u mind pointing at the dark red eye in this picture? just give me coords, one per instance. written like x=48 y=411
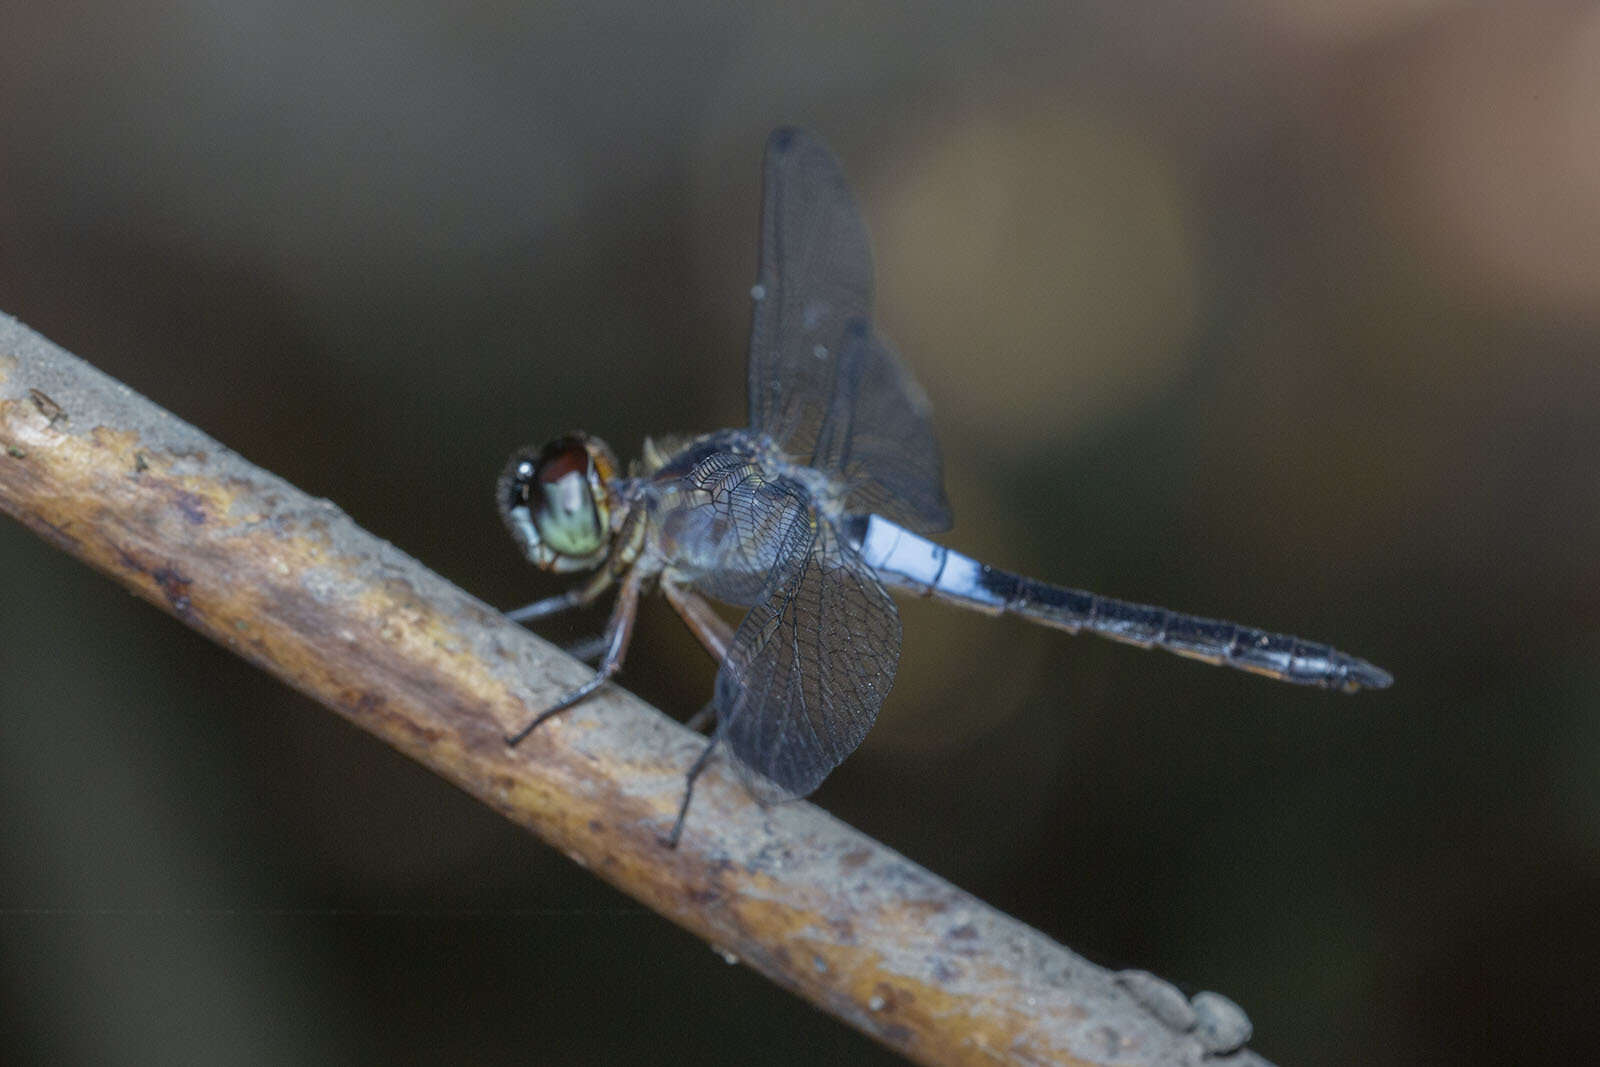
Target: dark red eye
x=562 y=457
x=554 y=501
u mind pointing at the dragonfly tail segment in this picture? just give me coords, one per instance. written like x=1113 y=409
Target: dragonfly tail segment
x=914 y=563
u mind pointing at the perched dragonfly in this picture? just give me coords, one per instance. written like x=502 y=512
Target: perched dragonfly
x=805 y=517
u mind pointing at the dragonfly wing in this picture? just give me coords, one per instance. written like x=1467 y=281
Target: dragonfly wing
x=808 y=668
x=823 y=387
x=742 y=527
x=878 y=436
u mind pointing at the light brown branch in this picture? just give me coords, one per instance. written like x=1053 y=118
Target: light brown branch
x=290 y=583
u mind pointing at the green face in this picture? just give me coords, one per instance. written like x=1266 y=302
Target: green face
x=567 y=519
x=551 y=502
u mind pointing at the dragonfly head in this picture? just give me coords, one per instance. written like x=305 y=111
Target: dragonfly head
x=555 y=502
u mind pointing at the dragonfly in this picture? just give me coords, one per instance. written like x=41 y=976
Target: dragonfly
x=806 y=518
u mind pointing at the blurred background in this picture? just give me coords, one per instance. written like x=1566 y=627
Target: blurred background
x=1285 y=311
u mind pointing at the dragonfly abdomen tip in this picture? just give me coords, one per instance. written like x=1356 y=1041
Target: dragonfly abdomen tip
x=1362 y=675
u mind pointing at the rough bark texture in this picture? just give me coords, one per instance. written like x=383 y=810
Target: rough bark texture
x=290 y=583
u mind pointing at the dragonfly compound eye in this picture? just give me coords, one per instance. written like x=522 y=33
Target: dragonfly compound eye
x=555 y=502
x=563 y=497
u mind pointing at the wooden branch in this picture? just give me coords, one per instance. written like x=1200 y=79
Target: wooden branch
x=290 y=583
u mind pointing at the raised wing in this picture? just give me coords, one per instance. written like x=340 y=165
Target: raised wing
x=809 y=666
x=878 y=437
x=823 y=387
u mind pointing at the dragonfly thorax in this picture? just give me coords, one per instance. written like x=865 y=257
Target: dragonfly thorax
x=556 y=502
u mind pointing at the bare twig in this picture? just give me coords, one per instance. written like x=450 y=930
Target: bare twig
x=290 y=583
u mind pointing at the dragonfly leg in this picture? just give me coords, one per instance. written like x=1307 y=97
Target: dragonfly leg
x=671 y=840
x=589 y=649
x=576 y=597
x=710 y=628
x=618 y=633
x=701 y=618
x=702 y=718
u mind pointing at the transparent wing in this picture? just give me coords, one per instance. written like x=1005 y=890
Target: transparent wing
x=732 y=526
x=823 y=386
x=878 y=436
x=809 y=666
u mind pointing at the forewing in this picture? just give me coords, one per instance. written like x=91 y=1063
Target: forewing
x=819 y=378
x=809 y=667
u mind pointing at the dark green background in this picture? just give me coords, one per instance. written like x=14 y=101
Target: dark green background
x=1280 y=311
